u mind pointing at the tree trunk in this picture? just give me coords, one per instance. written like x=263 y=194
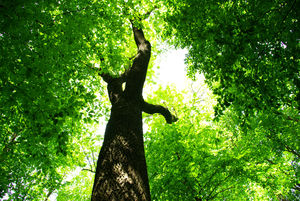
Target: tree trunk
x=121 y=172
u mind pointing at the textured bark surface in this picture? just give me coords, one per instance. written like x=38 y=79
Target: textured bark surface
x=121 y=169
x=121 y=172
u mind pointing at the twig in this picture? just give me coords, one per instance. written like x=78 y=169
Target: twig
x=88 y=170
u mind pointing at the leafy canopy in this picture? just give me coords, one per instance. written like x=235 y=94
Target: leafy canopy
x=51 y=96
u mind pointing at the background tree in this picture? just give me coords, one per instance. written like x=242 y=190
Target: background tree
x=248 y=52
x=201 y=159
x=48 y=93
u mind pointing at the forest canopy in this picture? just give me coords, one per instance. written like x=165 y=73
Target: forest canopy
x=237 y=134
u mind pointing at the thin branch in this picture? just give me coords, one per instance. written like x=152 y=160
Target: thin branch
x=296 y=187
x=208 y=181
x=216 y=186
x=12 y=141
x=152 y=109
x=85 y=169
x=221 y=191
x=88 y=158
x=130 y=58
x=287 y=117
x=289 y=149
x=275 y=138
x=94 y=161
x=49 y=194
x=292 y=119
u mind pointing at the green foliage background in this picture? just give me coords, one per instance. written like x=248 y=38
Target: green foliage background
x=199 y=158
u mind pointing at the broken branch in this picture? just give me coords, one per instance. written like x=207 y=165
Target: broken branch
x=152 y=109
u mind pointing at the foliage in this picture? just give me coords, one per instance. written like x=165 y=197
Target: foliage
x=248 y=53
x=200 y=159
x=50 y=91
x=247 y=50
x=51 y=96
x=47 y=94
x=79 y=186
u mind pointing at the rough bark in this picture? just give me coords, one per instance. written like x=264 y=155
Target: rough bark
x=121 y=172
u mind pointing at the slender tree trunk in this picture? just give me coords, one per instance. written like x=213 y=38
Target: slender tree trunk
x=121 y=172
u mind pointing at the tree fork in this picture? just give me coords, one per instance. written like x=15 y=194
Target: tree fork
x=121 y=172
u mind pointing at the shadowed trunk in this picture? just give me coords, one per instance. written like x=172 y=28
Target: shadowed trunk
x=121 y=172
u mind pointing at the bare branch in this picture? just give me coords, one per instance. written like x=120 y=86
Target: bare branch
x=152 y=109
x=88 y=170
